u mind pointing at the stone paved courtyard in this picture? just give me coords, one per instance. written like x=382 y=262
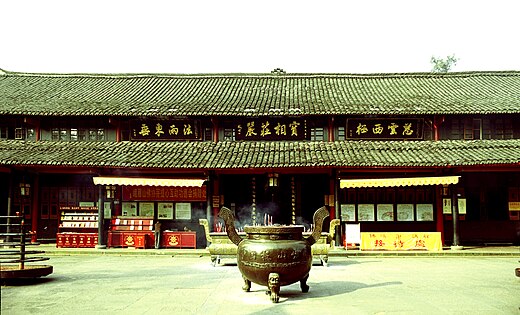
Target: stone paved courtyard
x=101 y=284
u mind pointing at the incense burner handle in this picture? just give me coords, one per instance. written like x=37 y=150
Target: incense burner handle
x=227 y=215
x=319 y=216
x=205 y=224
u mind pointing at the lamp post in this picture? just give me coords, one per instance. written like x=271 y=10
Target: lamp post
x=109 y=192
x=27 y=201
x=455 y=211
x=450 y=191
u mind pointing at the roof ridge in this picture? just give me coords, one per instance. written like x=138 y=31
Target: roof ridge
x=264 y=75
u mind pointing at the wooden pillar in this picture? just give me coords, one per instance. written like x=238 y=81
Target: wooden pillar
x=337 y=206
x=437 y=121
x=118 y=132
x=10 y=205
x=209 y=197
x=38 y=131
x=253 y=201
x=215 y=129
x=333 y=193
x=455 y=215
x=293 y=201
x=35 y=207
x=101 y=218
x=440 y=216
x=331 y=129
x=215 y=202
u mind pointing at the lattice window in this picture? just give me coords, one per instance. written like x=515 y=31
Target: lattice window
x=229 y=134
x=317 y=134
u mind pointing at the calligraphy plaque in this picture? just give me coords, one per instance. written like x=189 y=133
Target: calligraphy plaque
x=159 y=193
x=167 y=129
x=271 y=128
x=385 y=128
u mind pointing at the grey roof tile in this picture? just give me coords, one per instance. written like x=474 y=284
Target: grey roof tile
x=243 y=155
x=259 y=94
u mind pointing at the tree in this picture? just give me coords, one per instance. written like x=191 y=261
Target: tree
x=441 y=65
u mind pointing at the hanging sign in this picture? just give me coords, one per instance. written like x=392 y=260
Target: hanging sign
x=175 y=129
x=401 y=241
x=164 y=193
x=271 y=128
x=385 y=128
x=514 y=205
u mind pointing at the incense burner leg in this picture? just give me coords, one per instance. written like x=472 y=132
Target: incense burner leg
x=213 y=260
x=247 y=284
x=274 y=286
x=303 y=284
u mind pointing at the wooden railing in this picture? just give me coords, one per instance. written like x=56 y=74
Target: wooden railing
x=13 y=242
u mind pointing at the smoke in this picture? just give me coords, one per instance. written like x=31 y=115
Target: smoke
x=198 y=212
x=244 y=214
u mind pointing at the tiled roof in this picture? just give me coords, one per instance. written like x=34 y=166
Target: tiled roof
x=259 y=94
x=276 y=154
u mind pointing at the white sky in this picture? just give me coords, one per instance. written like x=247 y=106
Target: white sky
x=202 y=36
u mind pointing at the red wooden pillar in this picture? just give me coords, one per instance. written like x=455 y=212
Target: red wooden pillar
x=332 y=196
x=440 y=215
x=215 y=129
x=331 y=129
x=215 y=201
x=118 y=132
x=35 y=207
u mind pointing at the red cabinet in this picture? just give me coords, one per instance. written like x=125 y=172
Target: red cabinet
x=130 y=239
x=131 y=232
x=178 y=239
x=77 y=227
x=74 y=239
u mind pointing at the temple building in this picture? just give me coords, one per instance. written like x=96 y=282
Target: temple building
x=404 y=152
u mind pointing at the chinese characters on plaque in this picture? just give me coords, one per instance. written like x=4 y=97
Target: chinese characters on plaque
x=170 y=193
x=446 y=205
x=271 y=129
x=401 y=241
x=385 y=128
x=187 y=129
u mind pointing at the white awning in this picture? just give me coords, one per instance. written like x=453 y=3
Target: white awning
x=395 y=182
x=138 y=181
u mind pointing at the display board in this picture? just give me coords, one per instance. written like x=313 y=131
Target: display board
x=401 y=241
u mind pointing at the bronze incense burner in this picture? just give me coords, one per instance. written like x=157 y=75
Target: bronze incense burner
x=275 y=255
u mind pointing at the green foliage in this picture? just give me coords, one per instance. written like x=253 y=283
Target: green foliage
x=443 y=65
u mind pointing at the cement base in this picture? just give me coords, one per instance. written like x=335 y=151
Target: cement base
x=458 y=247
